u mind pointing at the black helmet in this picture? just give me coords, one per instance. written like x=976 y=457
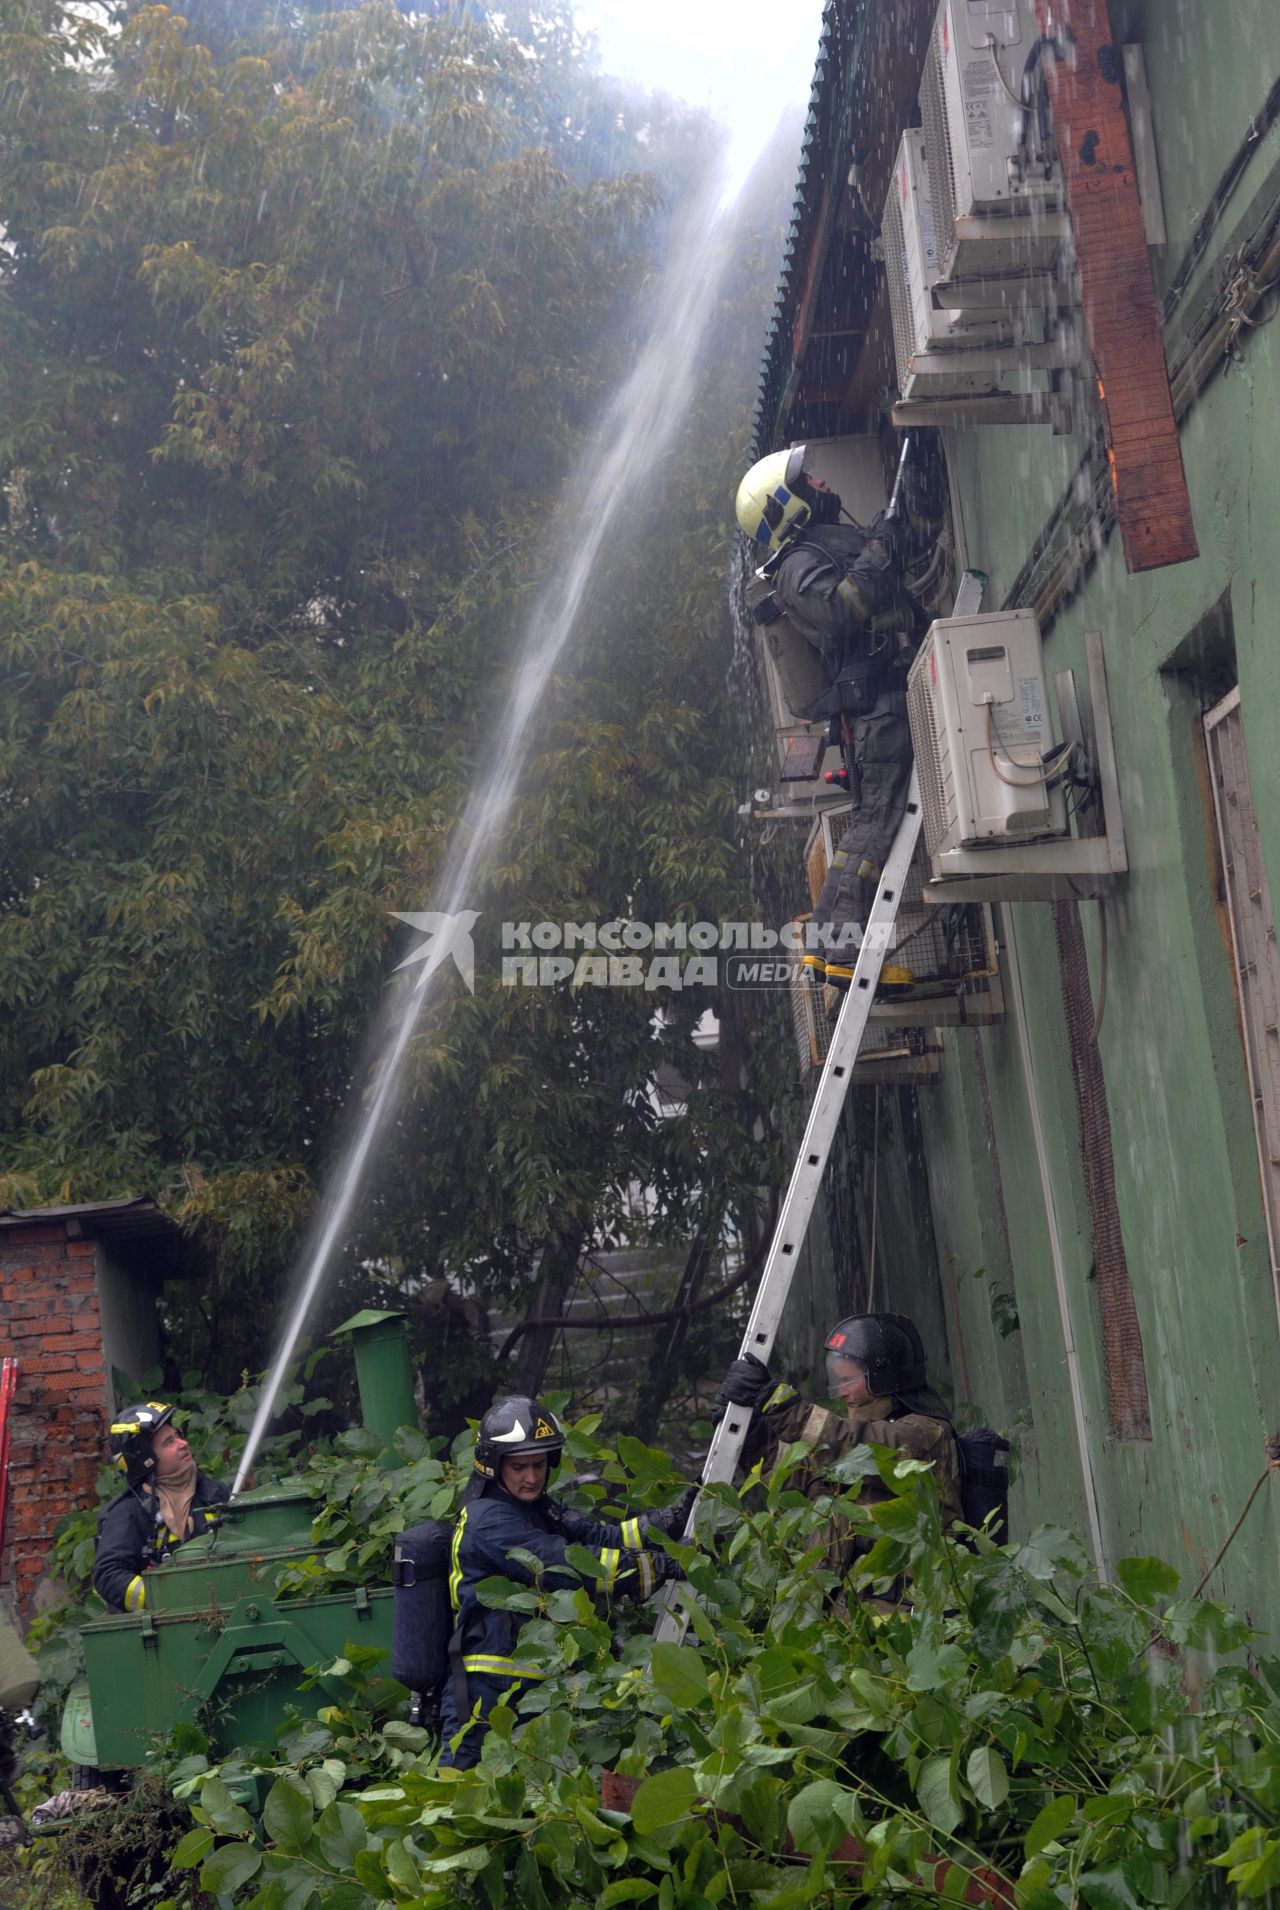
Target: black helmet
x=887 y=1344
x=517 y=1425
x=131 y=1437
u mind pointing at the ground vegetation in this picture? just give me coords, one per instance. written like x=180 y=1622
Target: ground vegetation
x=1012 y=1733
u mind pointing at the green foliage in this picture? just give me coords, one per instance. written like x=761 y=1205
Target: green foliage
x=362 y=1506
x=1016 y=1727
x=1004 y=1306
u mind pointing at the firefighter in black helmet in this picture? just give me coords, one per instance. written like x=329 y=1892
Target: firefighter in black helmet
x=508 y=1508
x=879 y=1396
x=166 y=1500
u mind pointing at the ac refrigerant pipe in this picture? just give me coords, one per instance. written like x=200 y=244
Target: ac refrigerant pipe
x=896 y=494
x=1070 y=1350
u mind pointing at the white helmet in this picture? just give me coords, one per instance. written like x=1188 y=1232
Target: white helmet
x=770 y=510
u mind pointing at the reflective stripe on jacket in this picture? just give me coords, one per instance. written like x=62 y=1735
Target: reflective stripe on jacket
x=489 y=1529
x=130 y=1540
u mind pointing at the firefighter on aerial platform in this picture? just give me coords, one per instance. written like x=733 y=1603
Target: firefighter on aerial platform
x=844 y=587
x=876 y=1373
x=508 y=1508
x=167 y=1500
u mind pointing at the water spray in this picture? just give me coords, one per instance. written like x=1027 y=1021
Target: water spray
x=633 y=434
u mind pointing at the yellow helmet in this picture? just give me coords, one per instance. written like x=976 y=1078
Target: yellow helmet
x=769 y=508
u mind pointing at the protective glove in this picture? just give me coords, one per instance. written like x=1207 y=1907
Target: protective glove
x=662 y=1565
x=745 y=1384
x=672 y=1519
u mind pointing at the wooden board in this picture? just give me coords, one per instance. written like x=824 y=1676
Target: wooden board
x=1153 y=509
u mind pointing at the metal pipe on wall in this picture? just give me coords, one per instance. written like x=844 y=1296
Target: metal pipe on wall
x=1055 y=1243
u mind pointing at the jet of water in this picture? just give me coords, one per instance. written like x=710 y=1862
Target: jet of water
x=618 y=464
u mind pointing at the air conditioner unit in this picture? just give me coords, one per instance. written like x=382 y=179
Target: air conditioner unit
x=970 y=351
x=920 y=330
x=997 y=189
x=981 y=732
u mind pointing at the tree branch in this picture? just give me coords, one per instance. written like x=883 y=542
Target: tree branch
x=633 y=1320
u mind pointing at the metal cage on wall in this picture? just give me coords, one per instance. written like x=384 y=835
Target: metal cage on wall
x=950 y=948
x=892 y=1057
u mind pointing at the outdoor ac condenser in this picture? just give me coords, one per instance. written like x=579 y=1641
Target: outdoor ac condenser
x=981 y=732
x=939 y=353
x=997 y=191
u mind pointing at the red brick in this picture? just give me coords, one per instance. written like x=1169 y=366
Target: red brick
x=24 y=1230
x=81 y=1249
x=24 y=1256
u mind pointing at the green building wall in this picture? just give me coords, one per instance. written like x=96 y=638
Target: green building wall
x=1184 y=1146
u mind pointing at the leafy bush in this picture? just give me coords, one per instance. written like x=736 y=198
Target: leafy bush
x=1018 y=1732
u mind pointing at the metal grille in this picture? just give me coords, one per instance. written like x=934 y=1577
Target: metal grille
x=897 y=1056
x=929 y=759
x=817 y=863
x=895 y=271
x=1253 y=940
x=937 y=147
x=951 y=948
x=1122 y=1355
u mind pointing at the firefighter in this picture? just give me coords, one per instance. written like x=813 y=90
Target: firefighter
x=880 y=1396
x=841 y=586
x=166 y=1501
x=508 y=1508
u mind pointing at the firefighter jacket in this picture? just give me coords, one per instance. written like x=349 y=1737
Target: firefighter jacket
x=785 y=1417
x=132 y=1537
x=491 y=1527
x=832 y=582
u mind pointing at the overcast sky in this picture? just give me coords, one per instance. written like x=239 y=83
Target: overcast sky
x=746 y=61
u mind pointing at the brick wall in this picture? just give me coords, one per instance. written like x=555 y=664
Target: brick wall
x=49 y=1323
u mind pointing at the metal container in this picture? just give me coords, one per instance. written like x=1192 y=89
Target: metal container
x=383 y=1374
x=215 y=1646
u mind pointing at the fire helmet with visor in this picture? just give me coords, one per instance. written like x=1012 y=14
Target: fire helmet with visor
x=773 y=504
x=513 y=1428
x=131 y=1435
x=886 y=1345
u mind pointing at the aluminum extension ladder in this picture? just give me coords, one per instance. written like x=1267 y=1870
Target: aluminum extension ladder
x=772 y=1294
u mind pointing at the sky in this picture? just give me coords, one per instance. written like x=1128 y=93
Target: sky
x=746 y=61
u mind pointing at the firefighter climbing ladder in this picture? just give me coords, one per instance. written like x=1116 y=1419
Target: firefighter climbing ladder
x=824 y=1118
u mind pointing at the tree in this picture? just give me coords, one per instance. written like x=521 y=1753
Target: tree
x=309 y=310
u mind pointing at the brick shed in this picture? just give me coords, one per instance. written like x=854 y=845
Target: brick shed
x=78 y=1293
